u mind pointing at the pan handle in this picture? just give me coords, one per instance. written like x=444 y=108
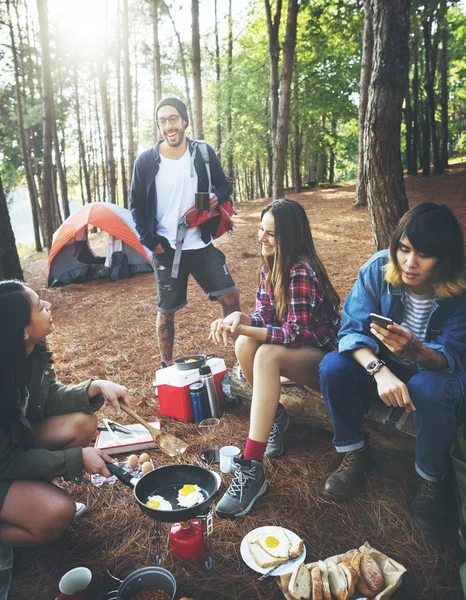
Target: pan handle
x=121 y=474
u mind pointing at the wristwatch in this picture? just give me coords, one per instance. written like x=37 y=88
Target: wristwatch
x=374 y=366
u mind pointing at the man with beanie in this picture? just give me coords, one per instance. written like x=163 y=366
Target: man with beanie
x=165 y=180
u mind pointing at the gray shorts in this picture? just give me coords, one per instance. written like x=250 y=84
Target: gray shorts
x=207 y=266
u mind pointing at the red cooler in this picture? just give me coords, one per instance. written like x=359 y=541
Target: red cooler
x=173 y=388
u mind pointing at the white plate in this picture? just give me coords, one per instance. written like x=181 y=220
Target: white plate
x=282 y=569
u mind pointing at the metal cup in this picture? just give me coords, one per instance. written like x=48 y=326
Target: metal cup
x=202 y=200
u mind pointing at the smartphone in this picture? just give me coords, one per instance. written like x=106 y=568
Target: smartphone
x=379 y=320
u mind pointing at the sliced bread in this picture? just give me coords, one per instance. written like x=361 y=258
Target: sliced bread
x=299 y=587
x=326 y=595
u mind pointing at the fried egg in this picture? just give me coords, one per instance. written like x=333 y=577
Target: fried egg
x=276 y=543
x=190 y=495
x=158 y=503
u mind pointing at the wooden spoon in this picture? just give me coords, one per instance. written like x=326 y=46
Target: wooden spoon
x=167 y=442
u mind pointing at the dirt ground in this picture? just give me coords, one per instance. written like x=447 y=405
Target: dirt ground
x=107 y=330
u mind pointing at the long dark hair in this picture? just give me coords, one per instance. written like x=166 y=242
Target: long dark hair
x=15 y=315
x=433 y=230
x=293 y=239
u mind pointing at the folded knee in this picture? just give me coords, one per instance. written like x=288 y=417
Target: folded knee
x=54 y=522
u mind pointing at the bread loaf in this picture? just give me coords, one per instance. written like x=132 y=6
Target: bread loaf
x=326 y=595
x=300 y=584
x=372 y=574
x=316 y=580
x=351 y=577
x=337 y=580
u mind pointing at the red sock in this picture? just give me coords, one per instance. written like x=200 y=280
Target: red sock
x=254 y=450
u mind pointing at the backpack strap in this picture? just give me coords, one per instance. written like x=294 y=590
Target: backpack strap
x=204 y=150
x=182 y=229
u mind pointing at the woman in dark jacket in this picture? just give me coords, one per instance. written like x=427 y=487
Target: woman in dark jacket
x=45 y=427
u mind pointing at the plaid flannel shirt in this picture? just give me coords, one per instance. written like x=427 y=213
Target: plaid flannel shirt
x=304 y=324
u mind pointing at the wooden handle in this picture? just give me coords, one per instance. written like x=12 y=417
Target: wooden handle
x=129 y=411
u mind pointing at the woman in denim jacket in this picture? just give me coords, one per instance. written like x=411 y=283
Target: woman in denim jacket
x=417 y=363
x=45 y=427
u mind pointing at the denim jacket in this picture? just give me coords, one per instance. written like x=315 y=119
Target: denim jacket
x=446 y=327
x=143 y=197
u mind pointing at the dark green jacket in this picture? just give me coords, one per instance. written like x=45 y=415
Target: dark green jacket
x=47 y=397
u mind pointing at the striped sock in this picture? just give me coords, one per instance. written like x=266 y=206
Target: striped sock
x=254 y=450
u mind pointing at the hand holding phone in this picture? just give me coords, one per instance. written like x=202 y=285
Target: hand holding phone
x=380 y=320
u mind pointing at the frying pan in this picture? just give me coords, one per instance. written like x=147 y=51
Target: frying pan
x=198 y=360
x=166 y=482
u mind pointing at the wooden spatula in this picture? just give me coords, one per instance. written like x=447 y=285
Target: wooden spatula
x=167 y=442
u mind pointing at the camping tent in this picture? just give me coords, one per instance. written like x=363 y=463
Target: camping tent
x=71 y=259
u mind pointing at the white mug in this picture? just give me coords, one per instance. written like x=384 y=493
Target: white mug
x=76 y=584
x=227 y=454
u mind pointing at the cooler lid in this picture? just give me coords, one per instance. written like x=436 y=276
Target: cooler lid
x=175 y=377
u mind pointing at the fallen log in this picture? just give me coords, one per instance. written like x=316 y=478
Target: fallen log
x=391 y=429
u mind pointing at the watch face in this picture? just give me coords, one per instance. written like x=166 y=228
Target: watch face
x=372 y=365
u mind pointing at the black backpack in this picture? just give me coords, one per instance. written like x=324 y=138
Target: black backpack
x=120 y=268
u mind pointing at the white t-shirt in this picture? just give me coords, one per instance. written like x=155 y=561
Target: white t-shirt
x=175 y=194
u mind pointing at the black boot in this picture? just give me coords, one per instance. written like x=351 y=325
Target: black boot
x=348 y=479
x=428 y=507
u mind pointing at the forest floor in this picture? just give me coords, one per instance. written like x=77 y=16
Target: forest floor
x=107 y=330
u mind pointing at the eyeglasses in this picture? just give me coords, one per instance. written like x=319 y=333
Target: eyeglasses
x=172 y=119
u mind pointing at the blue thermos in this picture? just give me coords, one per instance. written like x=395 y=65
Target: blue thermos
x=199 y=401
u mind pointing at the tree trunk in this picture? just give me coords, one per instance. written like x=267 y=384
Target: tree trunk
x=128 y=92
x=81 y=146
x=61 y=171
x=47 y=123
x=218 y=111
x=416 y=130
x=273 y=28
x=430 y=67
x=111 y=178
x=425 y=141
x=409 y=128
x=101 y=147
x=331 y=174
x=360 y=198
x=183 y=64
x=260 y=182
x=10 y=267
x=120 y=122
x=229 y=91
x=196 y=63
x=283 y=124
x=444 y=91
x=25 y=153
x=383 y=172
x=157 y=69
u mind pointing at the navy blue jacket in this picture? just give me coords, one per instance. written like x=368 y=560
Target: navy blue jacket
x=143 y=199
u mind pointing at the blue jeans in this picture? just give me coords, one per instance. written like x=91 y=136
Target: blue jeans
x=348 y=391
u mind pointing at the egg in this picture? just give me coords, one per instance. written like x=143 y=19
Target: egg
x=190 y=495
x=147 y=467
x=132 y=461
x=144 y=457
x=158 y=503
x=276 y=543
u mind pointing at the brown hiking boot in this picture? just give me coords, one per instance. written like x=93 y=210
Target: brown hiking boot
x=348 y=479
x=428 y=507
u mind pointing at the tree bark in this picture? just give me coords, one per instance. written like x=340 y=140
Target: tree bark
x=81 y=146
x=47 y=124
x=425 y=141
x=183 y=64
x=331 y=170
x=111 y=178
x=383 y=173
x=415 y=147
x=25 y=152
x=10 y=267
x=409 y=128
x=273 y=28
x=283 y=124
x=61 y=171
x=218 y=128
x=120 y=122
x=444 y=90
x=297 y=141
x=431 y=47
x=196 y=64
x=360 y=198
x=157 y=68
x=128 y=92
x=229 y=91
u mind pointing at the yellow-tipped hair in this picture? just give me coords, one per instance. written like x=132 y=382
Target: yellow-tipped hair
x=442 y=289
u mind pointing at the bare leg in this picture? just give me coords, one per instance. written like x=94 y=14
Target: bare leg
x=271 y=361
x=73 y=430
x=34 y=513
x=246 y=348
x=229 y=302
x=166 y=336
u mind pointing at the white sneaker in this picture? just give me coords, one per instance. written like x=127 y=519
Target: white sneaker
x=81 y=509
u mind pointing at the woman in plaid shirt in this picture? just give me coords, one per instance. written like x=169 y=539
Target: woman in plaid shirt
x=295 y=324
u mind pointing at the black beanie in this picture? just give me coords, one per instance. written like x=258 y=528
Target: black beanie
x=177 y=103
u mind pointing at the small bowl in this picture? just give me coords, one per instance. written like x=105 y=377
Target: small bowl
x=148 y=578
x=196 y=361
